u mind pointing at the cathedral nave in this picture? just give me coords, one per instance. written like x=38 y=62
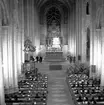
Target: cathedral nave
x=51 y=52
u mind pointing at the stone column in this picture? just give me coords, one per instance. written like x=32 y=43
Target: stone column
x=5 y=55
x=80 y=28
x=10 y=57
x=98 y=33
x=68 y=32
x=95 y=47
x=83 y=34
x=32 y=24
x=2 y=99
x=22 y=30
x=91 y=50
x=36 y=30
x=77 y=28
x=74 y=29
x=102 y=57
x=16 y=37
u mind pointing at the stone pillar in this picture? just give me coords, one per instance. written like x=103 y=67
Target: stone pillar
x=77 y=28
x=36 y=30
x=83 y=33
x=98 y=33
x=102 y=57
x=22 y=30
x=17 y=25
x=15 y=57
x=74 y=28
x=10 y=57
x=32 y=24
x=2 y=99
x=91 y=50
x=28 y=17
x=5 y=55
x=95 y=48
x=80 y=28
x=69 y=32
x=10 y=47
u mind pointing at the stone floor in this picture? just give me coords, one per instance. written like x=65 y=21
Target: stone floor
x=58 y=90
x=59 y=93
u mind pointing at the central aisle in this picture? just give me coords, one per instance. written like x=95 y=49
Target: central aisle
x=58 y=89
x=58 y=92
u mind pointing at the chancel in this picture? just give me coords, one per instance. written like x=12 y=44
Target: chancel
x=51 y=52
x=56 y=42
x=54 y=37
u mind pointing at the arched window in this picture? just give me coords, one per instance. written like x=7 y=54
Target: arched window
x=88 y=45
x=87 y=8
x=53 y=14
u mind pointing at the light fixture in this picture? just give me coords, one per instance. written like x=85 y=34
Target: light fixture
x=29 y=47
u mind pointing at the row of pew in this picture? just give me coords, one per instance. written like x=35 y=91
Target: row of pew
x=33 y=90
x=85 y=90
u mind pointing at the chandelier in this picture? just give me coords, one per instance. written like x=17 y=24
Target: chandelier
x=28 y=47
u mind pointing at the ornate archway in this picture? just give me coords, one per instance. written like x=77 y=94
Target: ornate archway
x=53 y=11
x=53 y=38
x=4 y=12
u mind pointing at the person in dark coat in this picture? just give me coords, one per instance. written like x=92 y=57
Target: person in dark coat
x=31 y=58
x=40 y=59
x=37 y=58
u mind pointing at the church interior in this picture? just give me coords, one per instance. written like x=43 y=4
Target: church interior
x=51 y=52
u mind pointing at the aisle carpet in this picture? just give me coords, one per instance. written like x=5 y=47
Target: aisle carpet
x=55 y=67
x=58 y=90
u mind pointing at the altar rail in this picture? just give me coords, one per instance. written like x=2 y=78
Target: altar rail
x=54 y=56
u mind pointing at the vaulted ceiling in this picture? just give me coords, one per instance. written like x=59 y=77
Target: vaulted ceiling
x=67 y=3
x=62 y=5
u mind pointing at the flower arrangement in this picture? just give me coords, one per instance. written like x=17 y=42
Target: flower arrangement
x=29 y=47
x=79 y=68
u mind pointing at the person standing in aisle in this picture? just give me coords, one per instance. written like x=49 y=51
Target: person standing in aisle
x=37 y=58
x=40 y=59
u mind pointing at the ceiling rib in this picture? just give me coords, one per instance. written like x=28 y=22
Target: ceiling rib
x=68 y=3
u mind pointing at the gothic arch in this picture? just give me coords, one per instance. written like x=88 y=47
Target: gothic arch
x=53 y=13
x=61 y=7
x=99 y=18
x=60 y=10
x=50 y=6
x=4 y=12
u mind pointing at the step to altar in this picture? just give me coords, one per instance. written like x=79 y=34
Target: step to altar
x=54 y=56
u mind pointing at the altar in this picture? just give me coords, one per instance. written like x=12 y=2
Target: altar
x=54 y=43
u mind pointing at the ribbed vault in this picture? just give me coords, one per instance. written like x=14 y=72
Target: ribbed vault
x=62 y=5
x=67 y=3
